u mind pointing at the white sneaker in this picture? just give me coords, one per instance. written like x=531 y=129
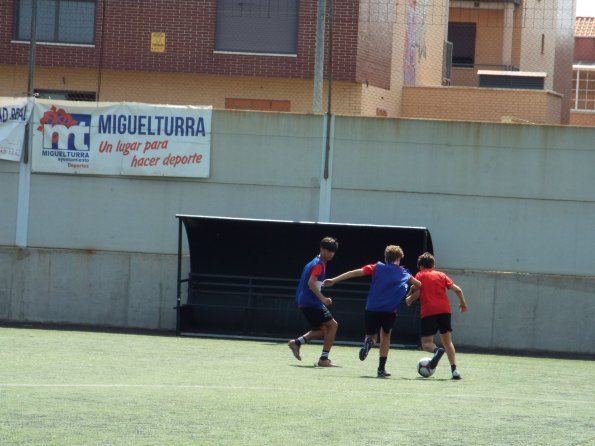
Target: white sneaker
x=456 y=374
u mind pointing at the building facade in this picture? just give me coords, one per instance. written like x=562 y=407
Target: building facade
x=385 y=57
x=583 y=80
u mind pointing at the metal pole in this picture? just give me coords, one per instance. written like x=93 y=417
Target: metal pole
x=319 y=58
x=179 y=286
x=31 y=80
x=330 y=83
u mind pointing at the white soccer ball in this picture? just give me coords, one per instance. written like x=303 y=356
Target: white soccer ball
x=423 y=367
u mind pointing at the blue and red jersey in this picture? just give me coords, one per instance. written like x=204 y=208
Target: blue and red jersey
x=388 y=287
x=304 y=297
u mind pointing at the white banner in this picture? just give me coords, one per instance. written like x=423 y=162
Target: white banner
x=121 y=139
x=14 y=113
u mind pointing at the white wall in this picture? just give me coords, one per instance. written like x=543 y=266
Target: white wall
x=510 y=209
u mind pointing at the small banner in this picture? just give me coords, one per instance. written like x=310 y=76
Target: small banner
x=157 y=42
x=121 y=139
x=14 y=113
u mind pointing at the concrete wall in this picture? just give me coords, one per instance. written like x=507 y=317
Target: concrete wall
x=510 y=209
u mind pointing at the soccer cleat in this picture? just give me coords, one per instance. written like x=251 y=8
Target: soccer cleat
x=325 y=363
x=436 y=358
x=295 y=349
x=383 y=373
x=363 y=352
x=456 y=374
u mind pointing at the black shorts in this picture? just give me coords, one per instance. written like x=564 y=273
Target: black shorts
x=375 y=320
x=437 y=322
x=316 y=316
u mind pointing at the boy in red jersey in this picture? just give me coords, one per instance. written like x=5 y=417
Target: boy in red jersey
x=435 y=310
x=313 y=303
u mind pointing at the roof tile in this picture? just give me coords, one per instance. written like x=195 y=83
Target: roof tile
x=585 y=27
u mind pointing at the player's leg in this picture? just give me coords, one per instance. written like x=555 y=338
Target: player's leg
x=383 y=353
x=315 y=318
x=427 y=343
x=429 y=327
x=330 y=331
x=371 y=325
x=446 y=340
x=387 y=322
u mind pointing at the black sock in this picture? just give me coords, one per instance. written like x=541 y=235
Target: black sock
x=453 y=367
x=382 y=363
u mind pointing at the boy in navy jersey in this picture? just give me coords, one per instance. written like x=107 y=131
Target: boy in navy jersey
x=313 y=303
x=387 y=290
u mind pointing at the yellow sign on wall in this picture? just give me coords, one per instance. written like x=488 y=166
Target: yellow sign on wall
x=157 y=42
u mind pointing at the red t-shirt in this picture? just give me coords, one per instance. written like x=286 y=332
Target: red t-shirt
x=432 y=295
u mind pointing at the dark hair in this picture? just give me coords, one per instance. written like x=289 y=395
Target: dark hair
x=425 y=260
x=330 y=244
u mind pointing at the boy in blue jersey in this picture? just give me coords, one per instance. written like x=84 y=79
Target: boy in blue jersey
x=387 y=289
x=313 y=303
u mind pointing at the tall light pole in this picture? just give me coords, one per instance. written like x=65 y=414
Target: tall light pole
x=330 y=83
x=31 y=81
x=319 y=58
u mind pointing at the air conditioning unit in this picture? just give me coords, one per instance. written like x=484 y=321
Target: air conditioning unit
x=524 y=80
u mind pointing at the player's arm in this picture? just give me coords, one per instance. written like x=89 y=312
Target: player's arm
x=345 y=276
x=459 y=292
x=415 y=285
x=413 y=293
x=313 y=285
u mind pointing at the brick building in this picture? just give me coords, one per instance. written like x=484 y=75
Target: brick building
x=389 y=57
x=583 y=82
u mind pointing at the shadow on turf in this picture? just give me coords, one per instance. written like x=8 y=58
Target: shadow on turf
x=314 y=366
x=401 y=378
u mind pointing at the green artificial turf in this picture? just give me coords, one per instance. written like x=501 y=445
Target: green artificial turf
x=87 y=388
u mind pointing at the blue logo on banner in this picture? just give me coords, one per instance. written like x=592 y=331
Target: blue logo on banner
x=75 y=135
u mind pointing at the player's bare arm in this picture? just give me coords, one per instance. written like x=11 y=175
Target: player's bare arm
x=459 y=292
x=412 y=296
x=313 y=285
x=344 y=276
x=415 y=285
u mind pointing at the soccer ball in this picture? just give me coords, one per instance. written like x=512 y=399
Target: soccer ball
x=423 y=367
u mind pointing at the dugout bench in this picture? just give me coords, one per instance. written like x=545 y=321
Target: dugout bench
x=244 y=272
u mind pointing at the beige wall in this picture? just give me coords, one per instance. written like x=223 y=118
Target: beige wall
x=564 y=55
x=464 y=77
x=182 y=88
x=435 y=30
x=470 y=104
x=539 y=25
x=582 y=118
x=14 y=79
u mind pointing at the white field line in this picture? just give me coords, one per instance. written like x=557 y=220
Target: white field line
x=287 y=389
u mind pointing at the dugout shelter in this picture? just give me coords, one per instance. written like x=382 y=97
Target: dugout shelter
x=244 y=272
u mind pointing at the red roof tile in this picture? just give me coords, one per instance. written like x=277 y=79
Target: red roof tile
x=585 y=27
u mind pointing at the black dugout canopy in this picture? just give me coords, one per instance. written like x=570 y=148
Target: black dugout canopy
x=244 y=272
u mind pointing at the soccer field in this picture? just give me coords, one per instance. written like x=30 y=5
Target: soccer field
x=87 y=388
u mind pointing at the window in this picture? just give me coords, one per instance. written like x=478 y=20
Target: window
x=61 y=95
x=59 y=21
x=462 y=36
x=257 y=26
x=583 y=89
